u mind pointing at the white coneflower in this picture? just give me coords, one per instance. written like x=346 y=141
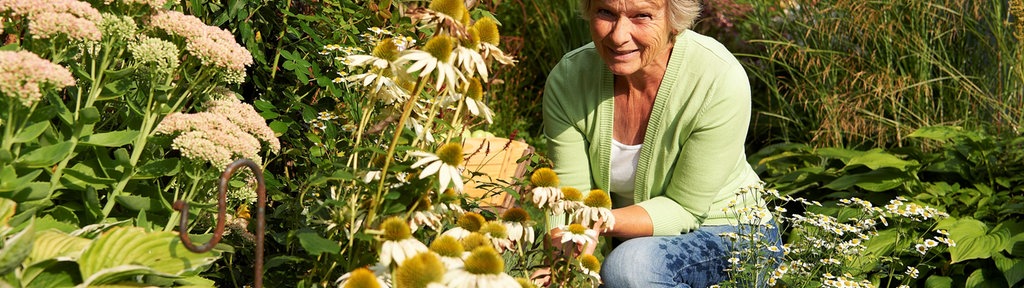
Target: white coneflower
x=381 y=57
x=489 y=39
x=361 y=278
x=398 y=242
x=423 y=270
x=474 y=100
x=468 y=58
x=449 y=249
x=449 y=203
x=572 y=200
x=545 y=192
x=498 y=234
x=469 y=222
x=424 y=216
x=590 y=266
x=484 y=268
x=475 y=240
x=445 y=163
x=597 y=206
x=578 y=234
x=436 y=56
x=518 y=224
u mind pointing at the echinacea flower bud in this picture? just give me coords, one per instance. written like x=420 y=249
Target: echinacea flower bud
x=590 y=262
x=475 y=91
x=362 y=278
x=485 y=260
x=440 y=47
x=419 y=271
x=572 y=194
x=395 y=229
x=488 y=30
x=471 y=221
x=452 y=8
x=450 y=153
x=495 y=229
x=447 y=246
x=598 y=198
x=544 y=177
x=475 y=240
x=386 y=49
x=515 y=214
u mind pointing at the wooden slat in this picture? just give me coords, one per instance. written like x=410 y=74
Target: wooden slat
x=496 y=159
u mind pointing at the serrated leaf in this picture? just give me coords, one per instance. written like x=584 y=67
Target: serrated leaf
x=31 y=132
x=46 y=156
x=111 y=139
x=316 y=245
x=131 y=251
x=16 y=249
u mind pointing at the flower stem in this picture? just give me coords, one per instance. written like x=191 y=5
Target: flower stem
x=406 y=111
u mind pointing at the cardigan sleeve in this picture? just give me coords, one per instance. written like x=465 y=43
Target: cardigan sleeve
x=708 y=157
x=567 y=145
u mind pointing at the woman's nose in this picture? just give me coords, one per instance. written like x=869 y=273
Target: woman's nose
x=621 y=32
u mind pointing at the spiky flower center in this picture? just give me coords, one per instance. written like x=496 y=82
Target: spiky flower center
x=525 y=283
x=572 y=194
x=362 y=278
x=420 y=271
x=395 y=229
x=471 y=221
x=450 y=153
x=424 y=204
x=576 y=228
x=544 y=177
x=475 y=90
x=598 y=199
x=475 y=240
x=386 y=49
x=466 y=18
x=440 y=47
x=452 y=8
x=473 y=38
x=515 y=214
x=447 y=246
x=484 y=260
x=495 y=228
x=488 y=30
x=590 y=262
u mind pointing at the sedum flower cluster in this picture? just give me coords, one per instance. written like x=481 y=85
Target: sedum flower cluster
x=23 y=74
x=214 y=46
x=227 y=130
x=49 y=18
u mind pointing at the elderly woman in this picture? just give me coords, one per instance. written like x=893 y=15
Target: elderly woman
x=656 y=114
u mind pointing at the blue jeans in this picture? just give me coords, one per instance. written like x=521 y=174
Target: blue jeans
x=695 y=259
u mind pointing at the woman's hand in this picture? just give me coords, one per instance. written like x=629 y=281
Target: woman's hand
x=542 y=276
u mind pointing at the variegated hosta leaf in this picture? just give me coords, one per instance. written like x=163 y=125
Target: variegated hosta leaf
x=6 y=210
x=129 y=251
x=91 y=231
x=16 y=249
x=52 y=244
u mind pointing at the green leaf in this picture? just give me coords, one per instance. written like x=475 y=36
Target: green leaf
x=29 y=192
x=7 y=210
x=876 y=158
x=316 y=245
x=52 y=244
x=31 y=132
x=12 y=182
x=16 y=249
x=125 y=252
x=279 y=127
x=81 y=176
x=875 y=181
x=839 y=153
x=134 y=203
x=973 y=239
x=51 y=274
x=935 y=281
x=1013 y=269
x=111 y=139
x=940 y=133
x=983 y=278
x=158 y=168
x=46 y=155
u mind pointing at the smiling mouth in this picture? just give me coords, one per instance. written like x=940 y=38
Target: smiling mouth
x=622 y=54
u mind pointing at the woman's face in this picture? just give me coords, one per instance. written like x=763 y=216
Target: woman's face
x=631 y=35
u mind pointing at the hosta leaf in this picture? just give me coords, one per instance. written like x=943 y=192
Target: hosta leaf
x=52 y=244
x=16 y=249
x=1013 y=268
x=121 y=252
x=936 y=281
x=973 y=239
x=876 y=158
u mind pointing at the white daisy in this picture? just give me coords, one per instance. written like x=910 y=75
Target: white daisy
x=478 y=108
x=436 y=55
x=445 y=163
x=398 y=242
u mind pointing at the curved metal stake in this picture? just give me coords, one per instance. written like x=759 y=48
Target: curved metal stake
x=218 y=232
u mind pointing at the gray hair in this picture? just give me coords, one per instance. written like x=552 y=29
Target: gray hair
x=681 y=13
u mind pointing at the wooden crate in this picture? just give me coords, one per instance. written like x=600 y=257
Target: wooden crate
x=496 y=159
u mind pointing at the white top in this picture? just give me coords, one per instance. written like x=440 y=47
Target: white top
x=623 y=173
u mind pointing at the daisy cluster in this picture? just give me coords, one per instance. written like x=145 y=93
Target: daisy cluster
x=228 y=129
x=215 y=47
x=23 y=76
x=49 y=18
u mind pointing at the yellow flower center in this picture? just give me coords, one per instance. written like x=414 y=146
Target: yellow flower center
x=495 y=228
x=471 y=221
x=488 y=30
x=475 y=240
x=448 y=196
x=395 y=229
x=515 y=214
x=452 y=8
x=475 y=89
x=572 y=194
x=544 y=177
x=447 y=246
x=590 y=262
x=598 y=199
x=450 y=153
x=485 y=260
x=576 y=228
x=419 y=271
x=474 y=38
x=525 y=283
x=362 y=278
x=386 y=50
x=424 y=203
x=440 y=47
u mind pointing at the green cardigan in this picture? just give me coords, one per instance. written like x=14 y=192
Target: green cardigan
x=692 y=163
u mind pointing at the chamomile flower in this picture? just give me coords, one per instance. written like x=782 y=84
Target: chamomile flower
x=436 y=55
x=912 y=272
x=423 y=270
x=445 y=163
x=398 y=242
x=545 y=192
x=597 y=206
x=484 y=268
x=517 y=224
x=578 y=234
x=469 y=222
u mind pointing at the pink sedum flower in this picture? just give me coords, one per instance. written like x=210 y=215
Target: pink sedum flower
x=48 y=18
x=215 y=47
x=22 y=74
x=205 y=136
x=247 y=119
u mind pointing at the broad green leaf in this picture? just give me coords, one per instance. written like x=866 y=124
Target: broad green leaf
x=973 y=239
x=1013 y=268
x=51 y=244
x=51 y=274
x=316 y=245
x=31 y=132
x=983 y=278
x=936 y=281
x=158 y=168
x=111 y=139
x=16 y=249
x=131 y=251
x=875 y=181
x=876 y=158
x=940 y=133
x=839 y=153
x=46 y=156
x=279 y=127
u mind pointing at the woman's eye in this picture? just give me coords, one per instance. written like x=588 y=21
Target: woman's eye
x=604 y=13
x=643 y=16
